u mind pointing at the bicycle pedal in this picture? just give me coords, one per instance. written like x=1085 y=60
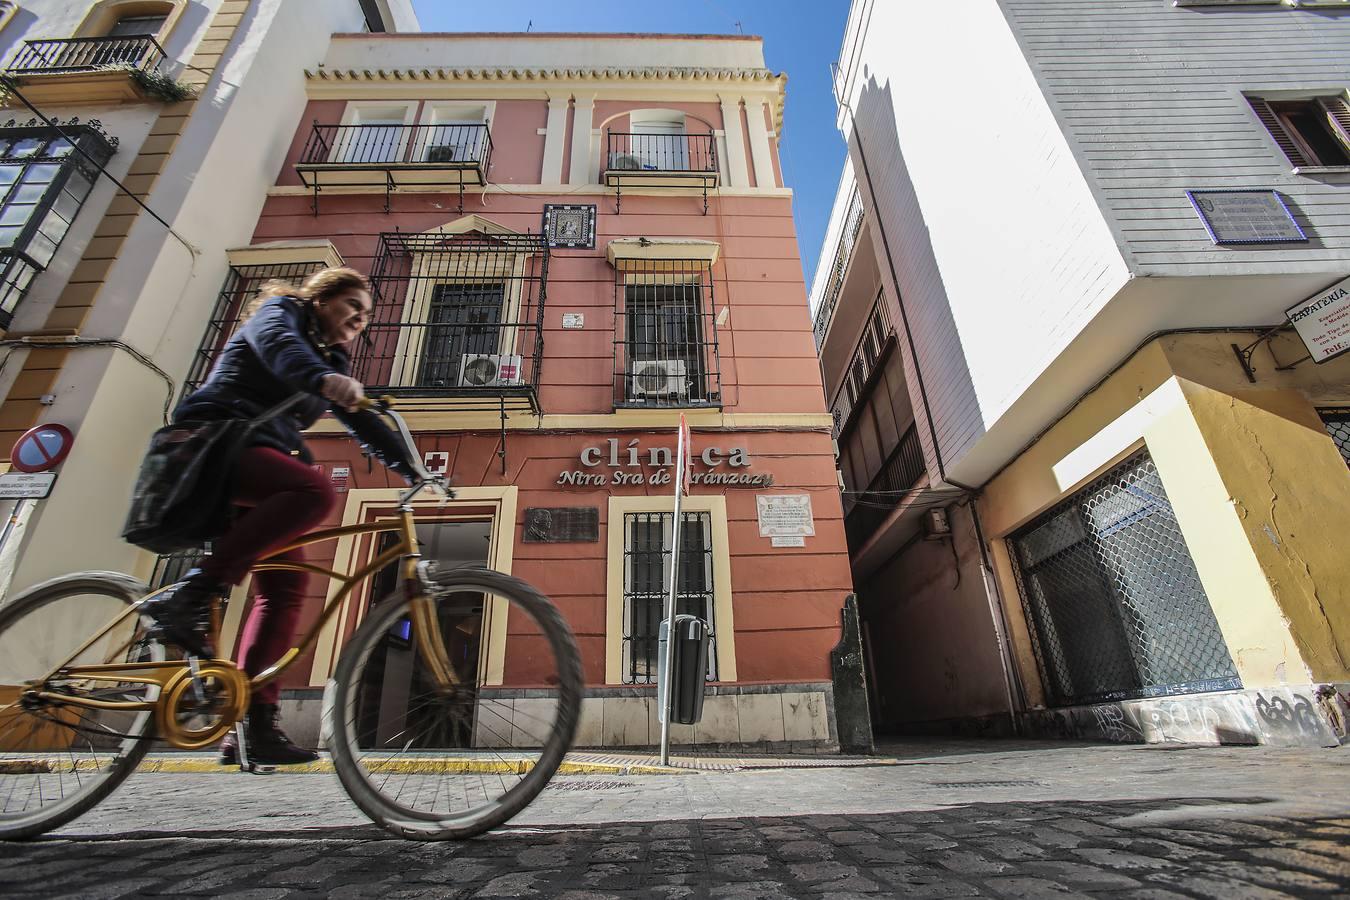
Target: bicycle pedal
x=260 y=769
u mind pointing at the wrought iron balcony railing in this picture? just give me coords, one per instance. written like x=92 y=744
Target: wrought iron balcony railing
x=87 y=54
x=887 y=489
x=863 y=364
x=843 y=253
x=394 y=156
x=451 y=146
x=661 y=153
x=673 y=160
x=456 y=316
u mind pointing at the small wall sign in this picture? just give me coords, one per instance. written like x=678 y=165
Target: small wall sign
x=1246 y=217
x=633 y=464
x=1323 y=322
x=785 y=519
x=574 y=320
x=26 y=486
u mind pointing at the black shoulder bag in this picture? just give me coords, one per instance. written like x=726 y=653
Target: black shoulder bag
x=182 y=496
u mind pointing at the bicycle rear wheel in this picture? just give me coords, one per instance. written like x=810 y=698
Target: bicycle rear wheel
x=433 y=762
x=57 y=760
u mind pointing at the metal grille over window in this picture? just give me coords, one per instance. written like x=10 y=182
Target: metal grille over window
x=870 y=351
x=43 y=183
x=457 y=316
x=242 y=284
x=646 y=574
x=665 y=335
x=1338 y=426
x=1114 y=599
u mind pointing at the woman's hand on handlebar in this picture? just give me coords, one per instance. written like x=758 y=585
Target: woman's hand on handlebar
x=345 y=392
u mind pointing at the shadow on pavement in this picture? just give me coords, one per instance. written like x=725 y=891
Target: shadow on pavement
x=1192 y=847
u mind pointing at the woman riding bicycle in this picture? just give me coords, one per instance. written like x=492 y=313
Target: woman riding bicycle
x=295 y=340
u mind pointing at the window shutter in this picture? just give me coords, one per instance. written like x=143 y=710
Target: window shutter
x=1277 y=131
x=1339 y=114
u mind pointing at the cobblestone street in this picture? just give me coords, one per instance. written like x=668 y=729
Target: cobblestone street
x=932 y=819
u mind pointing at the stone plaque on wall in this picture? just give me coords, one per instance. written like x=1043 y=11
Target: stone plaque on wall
x=570 y=226
x=561 y=524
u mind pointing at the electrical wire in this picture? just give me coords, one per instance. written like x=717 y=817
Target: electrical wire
x=66 y=343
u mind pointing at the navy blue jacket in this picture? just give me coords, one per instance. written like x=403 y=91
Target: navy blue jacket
x=273 y=356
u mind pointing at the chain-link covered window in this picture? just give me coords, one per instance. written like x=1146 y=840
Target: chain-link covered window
x=1115 y=603
x=1338 y=426
x=647 y=539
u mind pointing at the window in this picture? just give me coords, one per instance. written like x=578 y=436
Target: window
x=1312 y=132
x=137 y=26
x=1338 y=426
x=665 y=348
x=463 y=320
x=1113 y=600
x=647 y=544
x=43 y=184
x=373 y=134
x=452 y=132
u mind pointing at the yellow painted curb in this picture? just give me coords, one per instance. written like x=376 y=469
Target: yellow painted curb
x=199 y=766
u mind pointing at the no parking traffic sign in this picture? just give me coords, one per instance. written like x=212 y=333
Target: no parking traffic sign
x=42 y=448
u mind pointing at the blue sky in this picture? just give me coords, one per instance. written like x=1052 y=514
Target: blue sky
x=801 y=38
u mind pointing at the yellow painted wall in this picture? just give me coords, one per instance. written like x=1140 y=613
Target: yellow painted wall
x=1259 y=490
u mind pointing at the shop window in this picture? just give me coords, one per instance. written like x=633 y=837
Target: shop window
x=1338 y=426
x=43 y=184
x=647 y=545
x=1314 y=132
x=666 y=336
x=1113 y=599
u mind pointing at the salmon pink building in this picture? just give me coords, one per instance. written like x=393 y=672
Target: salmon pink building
x=575 y=240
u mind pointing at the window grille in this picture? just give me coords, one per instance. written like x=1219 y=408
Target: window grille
x=1115 y=603
x=665 y=335
x=1338 y=426
x=43 y=183
x=456 y=316
x=646 y=574
x=242 y=284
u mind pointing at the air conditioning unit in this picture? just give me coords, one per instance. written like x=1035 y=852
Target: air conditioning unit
x=658 y=378
x=489 y=370
x=442 y=153
x=626 y=161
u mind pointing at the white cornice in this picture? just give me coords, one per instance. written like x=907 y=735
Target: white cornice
x=620 y=77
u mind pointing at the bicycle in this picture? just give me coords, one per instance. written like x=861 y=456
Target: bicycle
x=425 y=748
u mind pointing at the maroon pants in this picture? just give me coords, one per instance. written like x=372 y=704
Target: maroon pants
x=283 y=498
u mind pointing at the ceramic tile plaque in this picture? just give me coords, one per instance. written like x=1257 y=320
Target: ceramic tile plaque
x=570 y=227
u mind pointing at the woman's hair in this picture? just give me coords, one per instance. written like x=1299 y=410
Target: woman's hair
x=318 y=287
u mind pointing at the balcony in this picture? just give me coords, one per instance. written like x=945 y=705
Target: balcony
x=673 y=160
x=886 y=491
x=458 y=321
x=868 y=356
x=843 y=254
x=84 y=70
x=394 y=157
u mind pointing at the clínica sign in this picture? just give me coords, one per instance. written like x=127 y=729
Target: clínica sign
x=615 y=463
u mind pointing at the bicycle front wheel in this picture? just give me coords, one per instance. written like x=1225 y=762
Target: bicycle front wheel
x=433 y=733
x=57 y=758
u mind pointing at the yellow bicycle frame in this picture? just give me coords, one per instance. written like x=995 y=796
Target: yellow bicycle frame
x=423 y=615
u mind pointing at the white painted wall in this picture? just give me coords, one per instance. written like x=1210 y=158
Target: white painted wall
x=159 y=295
x=467 y=51
x=1000 y=253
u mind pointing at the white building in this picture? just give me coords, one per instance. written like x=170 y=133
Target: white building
x=107 y=295
x=1082 y=226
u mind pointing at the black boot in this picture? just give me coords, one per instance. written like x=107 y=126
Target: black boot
x=267 y=743
x=182 y=616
